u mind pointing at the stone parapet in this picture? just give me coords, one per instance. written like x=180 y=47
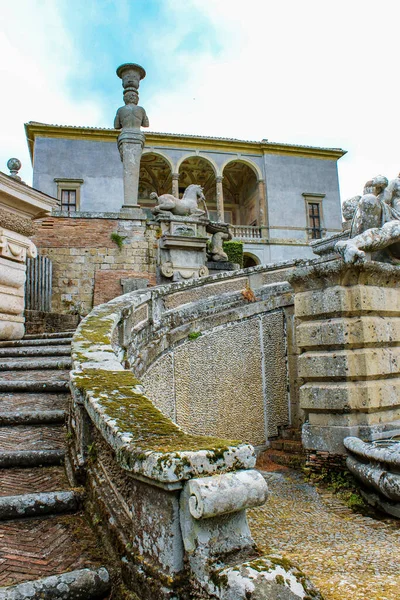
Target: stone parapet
x=348 y=336
x=173 y=498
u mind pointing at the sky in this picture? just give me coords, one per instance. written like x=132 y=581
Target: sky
x=320 y=73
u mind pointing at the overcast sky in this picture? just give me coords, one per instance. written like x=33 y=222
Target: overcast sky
x=313 y=72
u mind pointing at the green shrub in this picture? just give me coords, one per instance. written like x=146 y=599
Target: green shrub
x=234 y=250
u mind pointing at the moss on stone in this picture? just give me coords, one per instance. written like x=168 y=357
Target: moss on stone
x=136 y=415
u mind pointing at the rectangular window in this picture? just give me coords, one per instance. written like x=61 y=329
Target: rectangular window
x=314 y=220
x=69 y=194
x=68 y=200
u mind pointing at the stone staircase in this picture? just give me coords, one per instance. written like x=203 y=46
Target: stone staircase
x=47 y=550
x=286 y=451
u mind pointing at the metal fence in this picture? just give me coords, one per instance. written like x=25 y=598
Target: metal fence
x=38 y=284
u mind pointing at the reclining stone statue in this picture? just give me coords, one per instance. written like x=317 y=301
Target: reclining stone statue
x=185 y=206
x=375 y=226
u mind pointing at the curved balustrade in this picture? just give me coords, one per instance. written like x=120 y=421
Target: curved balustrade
x=163 y=492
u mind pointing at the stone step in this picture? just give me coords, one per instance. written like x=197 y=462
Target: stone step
x=35 y=381
x=36 y=417
x=290 y=446
x=31 y=402
x=32 y=437
x=49 y=336
x=28 y=363
x=291 y=433
x=15 y=481
x=39 y=503
x=41 y=547
x=31 y=458
x=89 y=584
x=35 y=342
x=61 y=350
x=292 y=460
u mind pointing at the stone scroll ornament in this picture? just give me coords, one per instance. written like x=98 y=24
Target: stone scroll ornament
x=375 y=223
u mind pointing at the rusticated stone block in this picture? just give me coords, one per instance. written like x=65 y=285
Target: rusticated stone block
x=348 y=330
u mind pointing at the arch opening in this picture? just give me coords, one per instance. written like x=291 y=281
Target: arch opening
x=197 y=169
x=155 y=176
x=241 y=199
x=250 y=260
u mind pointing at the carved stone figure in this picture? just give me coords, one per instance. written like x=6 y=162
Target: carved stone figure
x=375 y=227
x=187 y=205
x=220 y=233
x=130 y=118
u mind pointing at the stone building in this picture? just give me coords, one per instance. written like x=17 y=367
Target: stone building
x=275 y=196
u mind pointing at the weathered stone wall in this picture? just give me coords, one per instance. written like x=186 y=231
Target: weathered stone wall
x=348 y=335
x=217 y=364
x=87 y=264
x=173 y=503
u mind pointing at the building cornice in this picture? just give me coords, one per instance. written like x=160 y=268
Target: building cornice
x=172 y=140
x=19 y=196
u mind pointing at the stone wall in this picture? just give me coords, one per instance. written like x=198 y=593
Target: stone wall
x=217 y=364
x=171 y=501
x=87 y=264
x=348 y=335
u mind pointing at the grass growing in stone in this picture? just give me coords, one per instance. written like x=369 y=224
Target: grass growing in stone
x=118 y=239
x=341 y=483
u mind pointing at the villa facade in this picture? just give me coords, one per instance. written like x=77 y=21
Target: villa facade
x=276 y=197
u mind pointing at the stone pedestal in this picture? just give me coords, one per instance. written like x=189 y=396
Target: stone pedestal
x=182 y=245
x=348 y=336
x=130 y=145
x=14 y=248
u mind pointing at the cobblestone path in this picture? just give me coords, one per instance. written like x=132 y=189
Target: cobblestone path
x=347 y=556
x=34 y=395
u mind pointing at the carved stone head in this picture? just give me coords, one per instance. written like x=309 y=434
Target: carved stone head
x=131 y=97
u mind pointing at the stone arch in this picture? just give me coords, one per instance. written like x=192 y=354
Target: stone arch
x=205 y=158
x=250 y=260
x=155 y=176
x=200 y=170
x=240 y=186
x=247 y=162
x=162 y=155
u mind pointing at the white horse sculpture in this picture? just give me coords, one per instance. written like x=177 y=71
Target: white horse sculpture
x=187 y=205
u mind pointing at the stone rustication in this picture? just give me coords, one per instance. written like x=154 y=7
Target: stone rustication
x=347 y=334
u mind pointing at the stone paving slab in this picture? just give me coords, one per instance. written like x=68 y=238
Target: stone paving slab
x=34 y=548
x=347 y=556
x=49 y=375
x=34 y=437
x=26 y=481
x=14 y=401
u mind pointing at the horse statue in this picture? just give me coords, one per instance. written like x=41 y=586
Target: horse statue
x=187 y=205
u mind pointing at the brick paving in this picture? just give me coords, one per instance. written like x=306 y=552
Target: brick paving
x=347 y=555
x=23 y=401
x=35 y=548
x=33 y=437
x=40 y=479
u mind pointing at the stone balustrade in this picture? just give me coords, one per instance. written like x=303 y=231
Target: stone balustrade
x=246 y=232
x=172 y=499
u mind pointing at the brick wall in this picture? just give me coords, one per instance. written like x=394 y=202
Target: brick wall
x=107 y=284
x=81 y=247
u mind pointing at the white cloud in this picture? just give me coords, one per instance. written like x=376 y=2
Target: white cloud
x=36 y=57
x=310 y=72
